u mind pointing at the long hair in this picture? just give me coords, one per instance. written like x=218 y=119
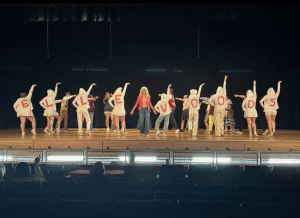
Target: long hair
x=106 y=94
x=147 y=91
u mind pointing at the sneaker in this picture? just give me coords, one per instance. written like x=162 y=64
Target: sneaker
x=238 y=132
x=89 y=133
x=119 y=133
x=157 y=133
x=270 y=135
x=194 y=134
x=49 y=133
x=230 y=130
x=250 y=133
x=265 y=132
x=52 y=131
x=147 y=135
x=113 y=130
x=181 y=130
x=107 y=130
x=80 y=133
x=33 y=132
x=226 y=130
x=23 y=133
x=58 y=130
x=164 y=134
x=177 y=131
x=255 y=133
x=190 y=132
x=122 y=132
x=208 y=132
x=46 y=130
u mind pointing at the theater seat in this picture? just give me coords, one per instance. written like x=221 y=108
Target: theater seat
x=24 y=186
x=175 y=196
x=134 y=186
x=59 y=186
x=96 y=186
x=164 y=186
x=144 y=209
x=130 y=195
x=31 y=195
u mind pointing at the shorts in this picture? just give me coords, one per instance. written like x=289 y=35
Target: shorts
x=229 y=122
x=107 y=112
x=271 y=112
x=185 y=114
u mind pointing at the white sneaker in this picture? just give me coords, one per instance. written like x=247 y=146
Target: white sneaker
x=250 y=133
x=164 y=134
x=255 y=133
x=46 y=130
x=122 y=132
x=113 y=130
x=194 y=134
x=238 y=132
x=33 y=132
x=89 y=133
x=226 y=130
x=107 y=130
x=58 y=130
x=270 y=135
x=23 y=133
x=265 y=132
x=80 y=133
x=52 y=131
x=177 y=131
x=157 y=132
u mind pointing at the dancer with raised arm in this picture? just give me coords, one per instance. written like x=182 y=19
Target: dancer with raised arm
x=164 y=109
x=270 y=105
x=144 y=105
x=82 y=105
x=218 y=101
x=63 y=113
x=23 y=108
x=249 y=108
x=119 y=109
x=48 y=103
x=108 y=111
x=193 y=103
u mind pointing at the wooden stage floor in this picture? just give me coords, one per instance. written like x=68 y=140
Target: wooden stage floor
x=100 y=139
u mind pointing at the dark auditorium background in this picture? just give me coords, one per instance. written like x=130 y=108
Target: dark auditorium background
x=149 y=45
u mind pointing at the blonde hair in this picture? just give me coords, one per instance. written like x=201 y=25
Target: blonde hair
x=147 y=91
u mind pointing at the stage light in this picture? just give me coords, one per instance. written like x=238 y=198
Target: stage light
x=60 y=158
x=145 y=159
x=283 y=161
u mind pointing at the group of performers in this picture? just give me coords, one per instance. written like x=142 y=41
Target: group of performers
x=219 y=109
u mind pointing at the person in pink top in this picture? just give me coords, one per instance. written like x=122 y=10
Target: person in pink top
x=144 y=105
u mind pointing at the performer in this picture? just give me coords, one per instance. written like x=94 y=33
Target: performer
x=163 y=107
x=23 y=107
x=144 y=103
x=229 y=120
x=63 y=113
x=218 y=101
x=108 y=111
x=249 y=108
x=210 y=114
x=185 y=112
x=173 y=108
x=52 y=121
x=194 y=105
x=48 y=103
x=270 y=105
x=81 y=103
x=91 y=110
x=119 y=110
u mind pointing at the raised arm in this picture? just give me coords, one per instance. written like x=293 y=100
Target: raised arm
x=37 y=170
x=68 y=98
x=58 y=101
x=42 y=103
x=90 y=88
x=110 y=100
x=254 y=88
x=74 y=102
x=125 y=88
x=224 y=85
x=278 y=88
x=180 y=99
x=30 y=92
x=199 y=90
x=56 y=88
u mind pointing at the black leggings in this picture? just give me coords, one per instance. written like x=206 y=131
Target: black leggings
x=172 y=120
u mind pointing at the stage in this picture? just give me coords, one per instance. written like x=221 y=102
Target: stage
x=282 y=140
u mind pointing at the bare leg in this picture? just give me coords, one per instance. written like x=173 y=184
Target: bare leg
x=111 y=118
x=253 y=121
x=22 y=125
x=107 y=120
x=269 y=120
x=206 y=123
x=182 y=124
x=117 y=123
x=48 y=124
x=249 y=124
x=58 y=121
x=273 y=117
x=33 y=122
x=122 y=121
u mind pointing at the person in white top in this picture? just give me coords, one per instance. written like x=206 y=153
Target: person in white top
x=82 y=105
x=23 y=107
x=119 y=109
x=164 y=110
x=249 y=108
x=270 y=105
x=193 y=102
x=48 y=103
x=219 y=102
